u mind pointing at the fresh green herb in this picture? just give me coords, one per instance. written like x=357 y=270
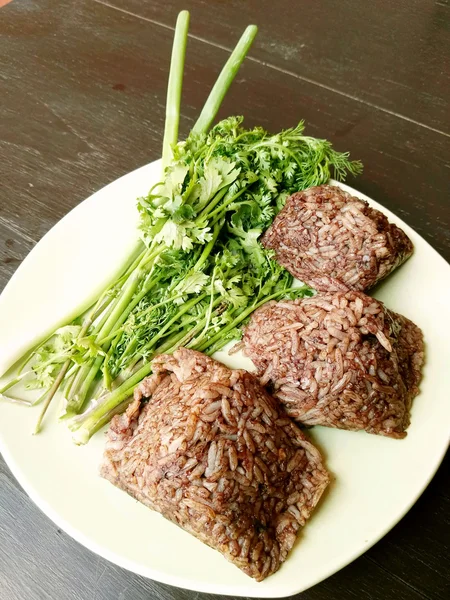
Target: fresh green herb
x=201 y=270
x=224 y=80
x=175 y=86
x=205 y=220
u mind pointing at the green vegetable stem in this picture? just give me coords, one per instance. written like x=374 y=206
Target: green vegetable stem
x=201 y=270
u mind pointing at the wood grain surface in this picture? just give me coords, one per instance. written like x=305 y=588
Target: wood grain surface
x=82 y=93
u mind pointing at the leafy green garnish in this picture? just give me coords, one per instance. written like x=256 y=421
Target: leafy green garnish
x=203 y=270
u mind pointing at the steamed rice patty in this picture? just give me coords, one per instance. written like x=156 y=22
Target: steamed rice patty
x=213 y=452
x=334 y=241
x=341 y=360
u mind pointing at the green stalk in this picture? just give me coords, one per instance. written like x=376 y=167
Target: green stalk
x=178 y=339
x=221 y=209
x=51 y=393
x=109 y=338
x=78 y=400
x=208 y=248
x=126 y=388
x=129 y=349
x=199 y=264
x=174 y=87
x=224 y=81
x=186 y=307
x=86 y=425
x=146 y=289
x=152 y=307
x=14 y=382
x=104 y=311
x=243 y=315
x=88 y=372
x=123 y=302
x=69 y=378
x=117 y=401
x=120 y=308
x=109 y=415
x=173 y=341
x=105 y=315
x=190 y=341
x=16 y=400
x=133 y=260
x=211 y=204
x=117 y=327
x=79 y=311
x=65 y=367
x=119 y=395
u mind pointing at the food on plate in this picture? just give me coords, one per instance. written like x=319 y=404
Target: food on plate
x=334 y=241
x=237 y=214
x=199 y=269
x=213 y=452
x=338 y=359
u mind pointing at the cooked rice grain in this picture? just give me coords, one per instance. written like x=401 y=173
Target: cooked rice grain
x=333 y=241
x=214 y=453
x=341 y=360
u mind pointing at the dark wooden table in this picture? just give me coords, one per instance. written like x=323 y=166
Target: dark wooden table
x=82 y=102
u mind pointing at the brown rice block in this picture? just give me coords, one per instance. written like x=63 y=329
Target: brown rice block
x=341 y=360
x=333 y=241
x=213 y=452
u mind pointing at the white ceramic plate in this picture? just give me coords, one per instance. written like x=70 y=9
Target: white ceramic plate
x=376 y=479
